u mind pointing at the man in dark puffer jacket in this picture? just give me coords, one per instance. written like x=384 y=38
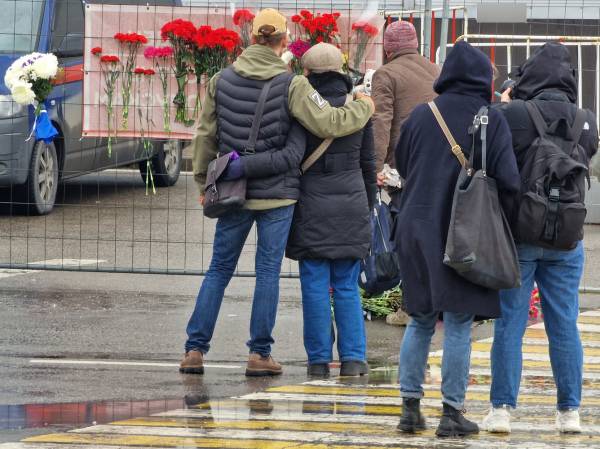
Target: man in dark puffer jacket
x=331 y=233
x=273 y=179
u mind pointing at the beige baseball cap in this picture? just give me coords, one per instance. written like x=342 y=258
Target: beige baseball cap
x=323 y=58
x=269 y=17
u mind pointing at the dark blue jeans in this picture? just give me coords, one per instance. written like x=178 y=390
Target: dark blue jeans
x=557 y=274
x=316 y=276
x=232 y=230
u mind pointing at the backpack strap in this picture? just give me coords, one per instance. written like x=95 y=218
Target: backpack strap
x=537 y=118
x=456 y=149
x=578 y=125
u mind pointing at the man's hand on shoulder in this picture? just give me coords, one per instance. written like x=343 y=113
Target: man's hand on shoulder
x=366 y=98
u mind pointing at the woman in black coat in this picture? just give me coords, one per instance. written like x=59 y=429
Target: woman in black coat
x=330 y=231
x=424 y=159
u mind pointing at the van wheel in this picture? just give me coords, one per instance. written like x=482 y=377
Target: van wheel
x=165 y=165
x=39 y=192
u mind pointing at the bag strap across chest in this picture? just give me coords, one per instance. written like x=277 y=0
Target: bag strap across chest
x=455 y=147
x=250 y=147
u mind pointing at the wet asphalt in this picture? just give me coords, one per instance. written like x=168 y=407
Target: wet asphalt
x=82 y=348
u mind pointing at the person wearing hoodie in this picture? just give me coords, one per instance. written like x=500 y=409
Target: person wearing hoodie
x=272 y=169
x=548 y=81
x=430 y=288
x=330 y=232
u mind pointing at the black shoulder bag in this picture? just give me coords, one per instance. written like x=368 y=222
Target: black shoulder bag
x=221 y=197
x=480 y=246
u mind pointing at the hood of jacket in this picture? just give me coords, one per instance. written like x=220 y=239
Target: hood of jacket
x=549 y=69
x=259 y=62
x=467 y=71
x=332 y=86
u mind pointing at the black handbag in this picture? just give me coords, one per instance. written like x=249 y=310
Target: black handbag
x=480 y=246
x=221 y=197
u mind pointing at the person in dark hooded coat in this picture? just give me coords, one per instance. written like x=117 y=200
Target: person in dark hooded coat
x=430 y=288
x=330 y=232
x=548 y=81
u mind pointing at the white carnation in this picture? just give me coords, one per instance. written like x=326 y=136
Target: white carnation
x=11 y=76
x=44 y=67
x=287 y=56
x=22 y=93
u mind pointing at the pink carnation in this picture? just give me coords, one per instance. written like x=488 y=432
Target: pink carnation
x=299 y=47
x=158 y=52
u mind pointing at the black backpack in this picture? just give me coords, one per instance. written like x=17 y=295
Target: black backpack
x=553 y=181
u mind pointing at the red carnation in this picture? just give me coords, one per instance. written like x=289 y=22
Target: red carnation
x=109 y=59
x=178 y=28
x=306 y=14
x=96 y=50
x=371 y=30
x=296 y=18
x=242 y=16
x=149 y=72
x=139 y=71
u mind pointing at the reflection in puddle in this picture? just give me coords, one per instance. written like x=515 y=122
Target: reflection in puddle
x=76 y=414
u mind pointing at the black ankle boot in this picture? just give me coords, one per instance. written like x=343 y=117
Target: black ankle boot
x=454 y=424
x=318 y=370
x=411 y=420
x=354 y=368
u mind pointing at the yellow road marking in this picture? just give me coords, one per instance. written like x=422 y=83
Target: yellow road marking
x=387 y=392
x=257 y=425
x=527 y=364
x=314 y=407
x=534 y=349
x=201 y=442
x=588 y=319
x=149 y=440
x=541 y=334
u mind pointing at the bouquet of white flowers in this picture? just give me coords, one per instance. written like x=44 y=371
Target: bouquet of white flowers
x=29 y=80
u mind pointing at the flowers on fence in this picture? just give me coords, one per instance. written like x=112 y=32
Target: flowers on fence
x=161 y=57
x=298 y=48
x=110 y=65
x=534 y=304
x=130 y=43
x=243 y=19
x=144 y=76
x=363 y=34
x=318 y=28
x=312 y=29
x=213 y=51
x=180 y=33
x=29 y=80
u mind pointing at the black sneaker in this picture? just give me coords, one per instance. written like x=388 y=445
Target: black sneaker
x=454 y=424
x=354 y=369
x=318 y=370
x=412 y=420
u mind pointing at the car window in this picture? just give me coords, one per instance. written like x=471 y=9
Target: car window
x=20 y=25
x=68 y=19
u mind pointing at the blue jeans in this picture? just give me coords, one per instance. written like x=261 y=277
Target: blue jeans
x=456 y=358
x=316 y=276
x=232 y=230
x=557 y=274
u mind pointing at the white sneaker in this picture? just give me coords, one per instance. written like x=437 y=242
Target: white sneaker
x=567 y=421
x=497 y=420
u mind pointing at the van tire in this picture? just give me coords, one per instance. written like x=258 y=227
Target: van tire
x=165 y=164
x=38 y=194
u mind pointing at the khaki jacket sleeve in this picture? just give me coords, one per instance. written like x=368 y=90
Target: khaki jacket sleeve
x=383 y=96
x=319 y=117
x=204 y=143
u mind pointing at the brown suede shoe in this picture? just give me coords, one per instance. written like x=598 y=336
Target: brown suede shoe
x=262 y=366
x=192 y=363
